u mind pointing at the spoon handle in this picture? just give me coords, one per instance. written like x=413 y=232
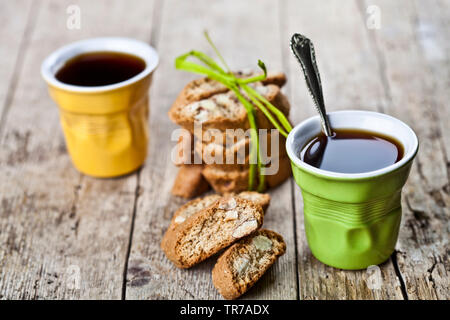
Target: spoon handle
x=303 y=50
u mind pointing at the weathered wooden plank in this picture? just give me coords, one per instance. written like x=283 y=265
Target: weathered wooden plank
x=243 y=36
x=419 y=100
x=347 y=67
x=433 y=34
x=62 y=235
x=54 y=223
x=17 y=23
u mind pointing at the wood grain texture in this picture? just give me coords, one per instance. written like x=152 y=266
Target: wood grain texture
x=419 y=100
x=67 y=236
x=18 y=18
x=63 y=235
x=432 y=33
x=347 y=67
x=242 y=38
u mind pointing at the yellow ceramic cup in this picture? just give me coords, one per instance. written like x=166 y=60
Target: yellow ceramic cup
x=105 y=127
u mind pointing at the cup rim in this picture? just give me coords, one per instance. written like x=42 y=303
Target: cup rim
x=351 y=176
x=57 y=58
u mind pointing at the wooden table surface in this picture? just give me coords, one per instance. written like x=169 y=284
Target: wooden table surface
x=64 y=235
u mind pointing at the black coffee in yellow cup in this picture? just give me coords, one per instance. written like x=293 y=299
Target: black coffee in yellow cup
x=101 y=87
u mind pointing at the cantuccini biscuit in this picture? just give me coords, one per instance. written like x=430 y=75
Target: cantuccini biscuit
x=229 y=156
x=190 y=182
x=224 y=111
x=225 y=179
x=263 y=199
x=209 y=230
x=204 y=88
x=192 y=207
x=244 y=263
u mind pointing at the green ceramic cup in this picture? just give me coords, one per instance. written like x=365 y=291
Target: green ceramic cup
x=352 y=220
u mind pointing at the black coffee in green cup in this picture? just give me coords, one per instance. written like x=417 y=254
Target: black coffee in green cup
x=352 y=220
x=351 y=151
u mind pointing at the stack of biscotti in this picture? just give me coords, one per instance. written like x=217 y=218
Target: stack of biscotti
x=203 y=227
x=211 y=104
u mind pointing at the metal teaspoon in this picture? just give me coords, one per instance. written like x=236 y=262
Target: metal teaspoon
x=303 y=50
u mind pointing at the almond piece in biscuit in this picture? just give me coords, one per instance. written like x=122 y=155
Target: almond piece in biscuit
x=244 y=263
x=210 y=230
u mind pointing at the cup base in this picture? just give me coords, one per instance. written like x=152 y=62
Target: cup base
x=353 y=268
x=117 y=174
